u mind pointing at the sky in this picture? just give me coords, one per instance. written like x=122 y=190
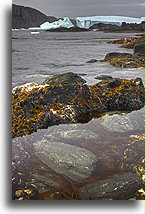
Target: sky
x=76 y=8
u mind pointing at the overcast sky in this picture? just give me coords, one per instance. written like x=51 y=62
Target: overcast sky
x=75 y=8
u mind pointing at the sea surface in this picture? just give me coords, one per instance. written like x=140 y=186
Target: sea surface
x=112 y=138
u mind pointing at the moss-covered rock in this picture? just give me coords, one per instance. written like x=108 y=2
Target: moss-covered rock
x=70 y=100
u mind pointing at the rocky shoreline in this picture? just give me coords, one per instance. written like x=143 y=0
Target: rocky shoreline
x=125 y=60
x=52 y=167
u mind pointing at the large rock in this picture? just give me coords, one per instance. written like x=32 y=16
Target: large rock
x=119 y=187
x=75 y=162
x=67 y=99
x=26 y=17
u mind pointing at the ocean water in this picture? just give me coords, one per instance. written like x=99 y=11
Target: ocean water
x=116 y=140
x=36 y=57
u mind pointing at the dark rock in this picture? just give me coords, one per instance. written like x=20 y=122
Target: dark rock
x=115 y=83
x=26 y=17
x=119 y=187
x=67 y=99
x=139 y=48
x=103 y=77
x=92 y=61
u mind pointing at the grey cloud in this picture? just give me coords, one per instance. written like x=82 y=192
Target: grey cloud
x=74 y=8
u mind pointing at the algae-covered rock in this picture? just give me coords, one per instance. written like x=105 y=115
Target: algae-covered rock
x=75 y=162
x=126 y=60
x=116 y=55
x=119 y=187
x=67 y=99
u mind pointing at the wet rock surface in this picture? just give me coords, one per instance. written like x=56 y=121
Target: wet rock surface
x=64 y=99
x=119 y=187
x=75 y=162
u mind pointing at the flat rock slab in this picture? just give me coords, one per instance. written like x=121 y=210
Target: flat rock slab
x=75 y=162
x=119 y=187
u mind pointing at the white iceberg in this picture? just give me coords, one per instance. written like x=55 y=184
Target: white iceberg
x=65 y=23
x=87 y=22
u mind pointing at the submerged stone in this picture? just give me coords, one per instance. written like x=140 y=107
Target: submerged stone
x=73 y=134
x=75 y=162
x=123 y=123
x=119 y=187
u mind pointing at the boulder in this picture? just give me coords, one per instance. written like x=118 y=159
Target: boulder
x=75 y=162
x=67 y=99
